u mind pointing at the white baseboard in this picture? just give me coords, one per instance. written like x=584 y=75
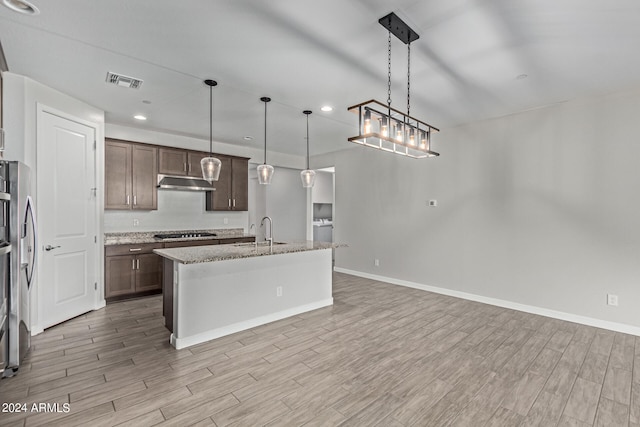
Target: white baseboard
x=180 y=343
x=569 y=317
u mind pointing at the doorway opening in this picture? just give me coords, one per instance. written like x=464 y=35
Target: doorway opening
x=321 y=207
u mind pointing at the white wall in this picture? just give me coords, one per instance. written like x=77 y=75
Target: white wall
x=177 y=210
x=323 y=188
x=286 y=204
x=539 y=208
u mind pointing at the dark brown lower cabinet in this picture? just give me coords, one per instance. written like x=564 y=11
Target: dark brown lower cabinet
x=148 y=272
x=132 y=270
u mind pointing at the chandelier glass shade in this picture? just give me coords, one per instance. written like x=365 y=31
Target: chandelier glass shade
x=390 y=130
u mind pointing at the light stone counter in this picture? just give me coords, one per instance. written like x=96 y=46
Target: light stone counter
x=140 y=237
x=199 y=254
x=217 y=290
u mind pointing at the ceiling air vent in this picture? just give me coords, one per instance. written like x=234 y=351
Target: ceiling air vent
x=125 y=81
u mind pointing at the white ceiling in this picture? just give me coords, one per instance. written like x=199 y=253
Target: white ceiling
x=308 y=53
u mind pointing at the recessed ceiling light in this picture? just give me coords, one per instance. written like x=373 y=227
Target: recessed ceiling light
x=327 y=108
x=521 y=76
x=21 y=6
x=139 y=117
x=248 y=138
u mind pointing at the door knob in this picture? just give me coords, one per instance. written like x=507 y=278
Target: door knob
x=49 y=247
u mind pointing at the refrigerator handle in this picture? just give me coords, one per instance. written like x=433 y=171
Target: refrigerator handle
x=32 y=262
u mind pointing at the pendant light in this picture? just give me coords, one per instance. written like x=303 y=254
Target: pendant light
x=265 y=171
x=210 y=165
x=307 y=176
x=385 y=128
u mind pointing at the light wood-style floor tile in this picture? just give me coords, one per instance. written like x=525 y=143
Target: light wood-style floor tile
x=382 y=355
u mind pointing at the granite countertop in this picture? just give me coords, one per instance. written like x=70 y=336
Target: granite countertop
x=198 y=254
x=139 y=237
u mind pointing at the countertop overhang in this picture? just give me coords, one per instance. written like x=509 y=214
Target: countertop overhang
x=211 y=253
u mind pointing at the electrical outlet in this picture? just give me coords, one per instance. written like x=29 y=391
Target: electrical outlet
x=136 y=222
x=376 y=262
x=226 y=221
x=279 y=291
x=612 y=300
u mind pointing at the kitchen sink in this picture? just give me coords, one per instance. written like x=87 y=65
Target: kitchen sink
x=260 y=244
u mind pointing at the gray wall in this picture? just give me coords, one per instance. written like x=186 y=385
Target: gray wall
x=286 y=204
x=540 y=208
x=322 y=191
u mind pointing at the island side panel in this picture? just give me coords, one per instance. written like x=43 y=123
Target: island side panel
x=167 y=293
x=220 y=298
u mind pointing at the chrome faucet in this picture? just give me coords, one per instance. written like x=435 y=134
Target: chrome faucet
x=250 y=227
x=270 y=239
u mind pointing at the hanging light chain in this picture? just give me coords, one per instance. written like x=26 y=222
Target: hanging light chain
x=389 y=71
x=210 y=121
x=265 y=132
x=307 y=141
x=408 y=79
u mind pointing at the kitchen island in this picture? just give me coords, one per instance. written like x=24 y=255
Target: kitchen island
x=213 y=291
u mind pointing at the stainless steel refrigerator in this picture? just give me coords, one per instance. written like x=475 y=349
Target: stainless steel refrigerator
x=20 y=231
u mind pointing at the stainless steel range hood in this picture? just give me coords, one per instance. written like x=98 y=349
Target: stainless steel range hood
x=185 y=183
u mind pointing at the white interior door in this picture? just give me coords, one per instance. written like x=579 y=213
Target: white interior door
x=66 y=207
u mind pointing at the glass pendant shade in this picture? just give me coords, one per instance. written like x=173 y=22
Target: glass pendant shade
x=308 y=178
x=265 y=173
x=210 y=165
x=210 y=169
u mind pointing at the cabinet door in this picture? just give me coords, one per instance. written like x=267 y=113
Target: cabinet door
x=144 y=174
x=240 y=184
x=220 y=199
x=117 y=171
x=148 y=272
x=193 y=163
x=172 y=162
x=120 y=275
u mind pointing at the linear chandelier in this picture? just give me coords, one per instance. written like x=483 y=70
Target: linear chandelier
x=385 y=128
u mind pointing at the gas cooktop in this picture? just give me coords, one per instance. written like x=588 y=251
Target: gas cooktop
x=183 y=235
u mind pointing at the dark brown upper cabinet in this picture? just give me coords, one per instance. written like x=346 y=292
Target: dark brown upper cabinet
x=173 y=161
x=130 y=175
